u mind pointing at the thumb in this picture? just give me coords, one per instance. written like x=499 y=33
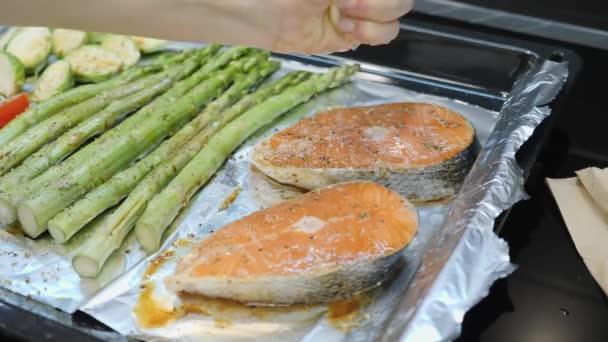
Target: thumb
x=322 y=35
x=342 y=28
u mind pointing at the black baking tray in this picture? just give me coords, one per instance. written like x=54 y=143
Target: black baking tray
x=436 y=58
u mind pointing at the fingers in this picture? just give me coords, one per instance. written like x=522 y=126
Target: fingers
x=375 y=10
x=372 y=22
x=369 y=32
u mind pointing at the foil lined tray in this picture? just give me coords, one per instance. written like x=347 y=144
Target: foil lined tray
x=449 y=266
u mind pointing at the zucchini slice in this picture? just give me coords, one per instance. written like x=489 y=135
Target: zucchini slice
x=65 y=41
x=5 y=38
x=12 y=74
x=149 y=45
x=92 y=63
x=124 y=47
x=32 y=45
x=55 y=79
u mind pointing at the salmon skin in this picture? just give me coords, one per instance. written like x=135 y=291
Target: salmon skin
x=423 y=151
x=326 y=245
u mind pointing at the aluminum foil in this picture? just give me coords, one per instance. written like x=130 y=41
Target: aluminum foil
x=115 y=305
x=468 y=254
x=41 y=269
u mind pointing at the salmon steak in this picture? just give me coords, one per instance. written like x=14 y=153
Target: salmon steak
x=325 y=245
x=423 y=151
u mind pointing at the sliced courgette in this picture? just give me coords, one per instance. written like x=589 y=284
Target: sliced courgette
x=65 y=41
x=12 y=74
x=5 y=38
x=149 y=45
x=32 y=45
x=124 y=47
x=92 y=63
x=55 y=79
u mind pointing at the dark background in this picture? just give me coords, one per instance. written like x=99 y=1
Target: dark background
x=588 y=13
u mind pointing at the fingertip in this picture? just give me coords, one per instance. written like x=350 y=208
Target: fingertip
x=382 y=11
x=373 y=33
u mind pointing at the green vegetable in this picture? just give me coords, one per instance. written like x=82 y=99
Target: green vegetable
x=32 y=46
x=9 y=199
x=67 y=143
x=124 y=47
x=114 y=150
x=11 y=195
x=149 y=45
x=12 y=75
x=30 y=141
x=165 y=206
x=68 y=222
x=92 y=63
x=66 y=41
x=55 y=79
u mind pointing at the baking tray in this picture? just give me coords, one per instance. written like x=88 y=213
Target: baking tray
x=505 y=61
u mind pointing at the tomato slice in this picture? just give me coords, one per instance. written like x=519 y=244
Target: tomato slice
x=13 y=107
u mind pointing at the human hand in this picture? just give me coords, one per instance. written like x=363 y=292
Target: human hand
x=300 y=26
x=325 y=26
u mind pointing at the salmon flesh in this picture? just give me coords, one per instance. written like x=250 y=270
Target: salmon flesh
x=423 y=151
x=326 y=245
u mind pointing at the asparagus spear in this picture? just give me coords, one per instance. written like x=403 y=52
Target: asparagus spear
x=90 y=258
x=98 y=161
x=9 y=201
x=11 y=184
x=165 y=206
x=10 y=197
x=30 y=141
x=22 y=146
x=170 y=57
x=47 y=108
x=71 y=220
x=174 y=94
x=70 y=141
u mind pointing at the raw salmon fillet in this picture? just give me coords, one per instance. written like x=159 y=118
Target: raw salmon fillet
x=421 y=150
x=325 y=245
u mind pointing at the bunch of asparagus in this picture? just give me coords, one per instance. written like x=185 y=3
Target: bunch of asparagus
x=163 y=130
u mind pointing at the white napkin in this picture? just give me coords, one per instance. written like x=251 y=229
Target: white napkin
x=583 y=203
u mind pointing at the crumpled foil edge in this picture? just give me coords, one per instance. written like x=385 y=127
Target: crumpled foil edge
x=466 y=247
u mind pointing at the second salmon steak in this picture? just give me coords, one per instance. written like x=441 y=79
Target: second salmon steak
x=423 y=151
x=326 y=245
